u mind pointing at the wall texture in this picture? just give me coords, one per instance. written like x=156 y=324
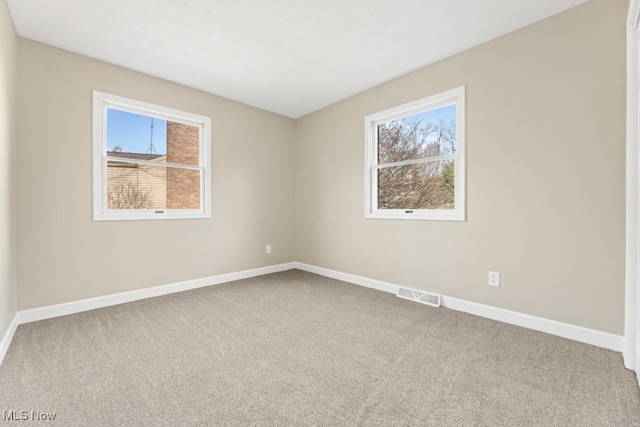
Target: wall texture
x=64 y=256
x=545 y=176
x=8 y=110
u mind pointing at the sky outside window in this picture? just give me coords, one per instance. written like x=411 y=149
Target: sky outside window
x=132 y=132
x=448 y=113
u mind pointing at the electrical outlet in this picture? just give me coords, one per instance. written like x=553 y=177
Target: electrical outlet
x=268 y=249
x=494 y=279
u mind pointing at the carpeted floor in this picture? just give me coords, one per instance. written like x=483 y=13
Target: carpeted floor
x=294 y=348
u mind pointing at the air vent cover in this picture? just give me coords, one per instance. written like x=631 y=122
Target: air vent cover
x=419 y=296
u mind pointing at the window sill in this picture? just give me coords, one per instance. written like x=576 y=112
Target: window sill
x=150 y=216
x=436 y=215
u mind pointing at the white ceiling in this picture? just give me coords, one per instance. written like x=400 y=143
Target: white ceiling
x=288 y=56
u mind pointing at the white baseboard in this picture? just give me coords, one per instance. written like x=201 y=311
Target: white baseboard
x=565 y=330
x=41 y=313
x=350 y=278
x=553 y=327
x=629 y=355
x=48 y=312
x=7 y=337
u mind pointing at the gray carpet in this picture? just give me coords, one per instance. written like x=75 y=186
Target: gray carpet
x=298 y=349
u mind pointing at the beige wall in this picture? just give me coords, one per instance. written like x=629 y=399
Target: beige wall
x=64 y=256
x=8 y=107
x=545 y=176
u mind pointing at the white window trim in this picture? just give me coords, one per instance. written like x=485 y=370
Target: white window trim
x=101 y=101
x=371 y=122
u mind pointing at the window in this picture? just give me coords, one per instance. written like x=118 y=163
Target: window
x=415 y=160
x=150 y=162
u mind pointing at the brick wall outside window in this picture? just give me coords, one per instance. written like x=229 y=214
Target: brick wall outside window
x=183 y=185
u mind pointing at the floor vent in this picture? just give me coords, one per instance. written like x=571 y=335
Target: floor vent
x=419 y=296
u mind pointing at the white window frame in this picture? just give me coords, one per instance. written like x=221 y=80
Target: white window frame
x=371 y=122
x=101 y=212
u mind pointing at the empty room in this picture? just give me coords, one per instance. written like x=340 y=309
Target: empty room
x=266 y=213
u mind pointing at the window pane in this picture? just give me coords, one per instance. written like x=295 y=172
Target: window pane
x=428 y=134
x=149 y=138
x=139 y=186
x=183 y=188
x=429 y=185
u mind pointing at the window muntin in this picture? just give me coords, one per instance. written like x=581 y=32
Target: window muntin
x=150 y=162
x=415 y=159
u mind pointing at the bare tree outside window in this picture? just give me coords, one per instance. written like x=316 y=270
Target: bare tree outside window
x=428 y=184
x=125 y=194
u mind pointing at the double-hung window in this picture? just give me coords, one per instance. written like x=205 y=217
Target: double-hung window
x=150 y=162
x=414 y=160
